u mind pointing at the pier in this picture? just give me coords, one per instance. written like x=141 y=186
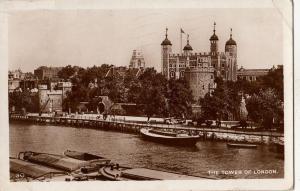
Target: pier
x=217 y=134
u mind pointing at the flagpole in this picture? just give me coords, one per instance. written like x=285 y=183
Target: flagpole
x=180 y=40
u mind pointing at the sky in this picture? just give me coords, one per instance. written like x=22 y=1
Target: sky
x=94 y=37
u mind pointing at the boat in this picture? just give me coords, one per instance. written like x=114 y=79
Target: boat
x=121 y=173
x=83 y=156
x=170 y=138
x=113 y=172
x=242 y=145
x=54 y=160
x=25 y=171
x=35 y=166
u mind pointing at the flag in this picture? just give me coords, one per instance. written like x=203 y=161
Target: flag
x=182 y=31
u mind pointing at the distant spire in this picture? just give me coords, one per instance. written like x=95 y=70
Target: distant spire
x=166 y=32
x=188 y=36
x=230 y=32
x=166 y=41
x=214 y=27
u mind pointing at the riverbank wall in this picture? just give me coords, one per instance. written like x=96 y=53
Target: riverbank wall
x=207 y=134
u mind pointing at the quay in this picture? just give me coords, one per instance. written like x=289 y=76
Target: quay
x=216 y=134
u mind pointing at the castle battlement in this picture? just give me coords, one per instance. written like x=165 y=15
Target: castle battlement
x=42 y=87
x=54 y=92
x=202 y=69
x=174 y=55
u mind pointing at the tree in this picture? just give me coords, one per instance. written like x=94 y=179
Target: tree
x=24 y=100
x=152 y=94
x=66 y=72
x=274 y=80
x=222 y=103
x=179 y=98
x=264 y=107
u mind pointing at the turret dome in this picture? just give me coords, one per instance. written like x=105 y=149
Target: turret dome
x=230 y=41
x=166 y=41
x=188 y=46
x=214 y=36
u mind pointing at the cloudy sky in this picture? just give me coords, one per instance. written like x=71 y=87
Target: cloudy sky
x=93 y=37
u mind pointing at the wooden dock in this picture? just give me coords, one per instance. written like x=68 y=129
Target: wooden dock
x=134 y=127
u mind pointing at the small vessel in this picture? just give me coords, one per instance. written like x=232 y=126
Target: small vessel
x=242 y=145
x=83 y=156
x=171 y=138
x=120 y=173
x=25 y=171
x=53 y=160
x=113 y=172
x=35 y=166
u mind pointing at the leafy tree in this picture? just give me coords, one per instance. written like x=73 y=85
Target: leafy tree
x=179 y=98
x=66 y=72
x=274 y=80
x=24 y=99
x=222 y=103
x=95 y=72
x=264 y=107
x=152 y=94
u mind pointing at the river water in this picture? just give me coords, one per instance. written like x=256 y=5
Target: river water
x=206 y=158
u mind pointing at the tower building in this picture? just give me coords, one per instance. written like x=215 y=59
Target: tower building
x=166 y=50
x=137 y=60
x=200 y=68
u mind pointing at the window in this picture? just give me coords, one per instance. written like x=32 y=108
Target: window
x=172 y=74
x=211 y=76
x=203 y=87
x=182 y=74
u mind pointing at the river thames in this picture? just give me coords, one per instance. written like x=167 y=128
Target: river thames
x=206 y=158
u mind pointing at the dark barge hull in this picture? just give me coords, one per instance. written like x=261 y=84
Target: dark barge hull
x=82 y=155
x=175 y=141
x=241 y=145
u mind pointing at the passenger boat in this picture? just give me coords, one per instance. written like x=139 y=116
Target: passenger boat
x=241 y=145
x=171 y=138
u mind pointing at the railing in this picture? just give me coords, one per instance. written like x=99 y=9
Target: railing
x=123 y=120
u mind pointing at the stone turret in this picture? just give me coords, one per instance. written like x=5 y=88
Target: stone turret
x=166 y=50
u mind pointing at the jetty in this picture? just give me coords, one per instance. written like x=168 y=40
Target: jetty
x=82 y=121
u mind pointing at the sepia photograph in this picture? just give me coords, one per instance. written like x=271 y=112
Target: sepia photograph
x=150 y=94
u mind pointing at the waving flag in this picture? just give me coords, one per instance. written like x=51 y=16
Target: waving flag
x=182 y=31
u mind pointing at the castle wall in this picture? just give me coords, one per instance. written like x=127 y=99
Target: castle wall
x=201 y=81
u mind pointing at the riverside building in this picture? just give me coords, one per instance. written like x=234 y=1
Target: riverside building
x=200 y=68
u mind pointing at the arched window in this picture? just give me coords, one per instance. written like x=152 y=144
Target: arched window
x=181 y=74
x=172 y=74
